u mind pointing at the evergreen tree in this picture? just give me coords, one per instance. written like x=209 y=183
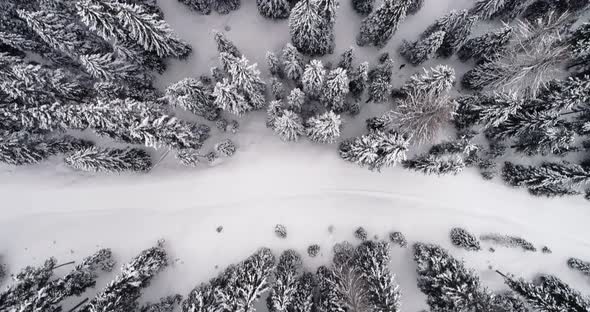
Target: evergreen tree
x=558 y=140
x=122 y=293
x=379 y=82
x=306 y=26
x=423 y=49
x=225 y=148
x=246 y=78
x=373 y=258
x=429 y=164
x=335 y=90
x=313 y=78
x=456 y=25
x=358 y=80
x=191 y=95
x=292 y=62
x=549 y=179
x=273 y=111
x=324 y=128
x=274 y=65
x=570 y=94
x=224 y=45
x=26 y=284
x=75 y=283
x=22 y=148
x=275 y=9
x=487 y=46
x=107 y=67
x=288 y=125
x=96 y=159
x=579 y=265
x=296 y=100
x=201 y=6
x=327 y=9
x=277 y=88
x=303 y=300
x=439 y=80
x=415 y=6
x=54 y=29
x=490 y=110
x=346 y=59
x=363 y=7
x=284 y=290
x=382 y=23
x=226 y=6
x=461 y=238
x=166 y=304
x=375 y=150
x=229 y=99
x=548 y=294
x=503 y=9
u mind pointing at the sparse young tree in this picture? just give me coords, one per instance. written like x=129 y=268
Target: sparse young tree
x=226 y=148
x=190 y=94
x=277 y=89
x=313 y=78
x=579 y=265
x=423 y=49
x=94 y=159
x=375 y=150
x=335 y=90
x=288 y=125
x=377 y=28
x=275 y=9
x=324 y=128
x=306 y=27
x=292 y=62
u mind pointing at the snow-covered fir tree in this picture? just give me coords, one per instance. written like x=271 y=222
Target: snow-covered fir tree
x=273 y=111
x=75 y=283
x=292 y=62
x=548 y=179
x=335 y=90
x=277 y=89
x=548 y=294
x=327 y=9
x=579 y=265
x=358 y=78
x=324 y=128
x=123 y=292
x=303 y=300
x=429 y=164
x=226 y=148
x=190 y=94
x=306 y=27
x=377 y=28
x=288 y=126
x=363 y=7
x=246 y=78
x=375 y=150
x=107 y=67
x=372 y=259
x=94 y=159
x=423 y=49
x=226 y=6
x=22 y=148
x=415 y=6
x=457 y=27
x=282 y=293
x=487 y=46
x=201 y=6
x=26 y=284
x=461 y=238
x=379 y=82
x=347 y=59
x=274 y=65
x=225 y=45
x=166 y=304
x=313 y=78
x=436 y=81
x=229 y=99
x=275 y=9
x=296 y=100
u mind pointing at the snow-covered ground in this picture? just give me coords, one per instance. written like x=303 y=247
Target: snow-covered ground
x=51 y=211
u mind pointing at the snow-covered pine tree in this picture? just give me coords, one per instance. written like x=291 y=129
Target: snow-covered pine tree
x=292 y=62
x=96 y=159
x=229 y=99
x=424 y=49
x=306 y=26
x=165 y=130
x=225 y=148
x=225 y=45
x=288 y=126
x=502 y=9
x=548 y=294
x=26 y=284
x=226 y=6
x=548 y=179
x=372 y=258
x=283 y=292
x=201 y=6
x=486 y=47
x=277 y=88
x=566 y=95
x=22 y=148
x=375 y=150
x=429 y=164
x=324 y=128
x=379 y=82
x=335 y=90
x=347 y=59
x=415 y=6
x=303 y=300
x=489 y=109
x=313 y=78
x=275 y=9
x=296 y=100
x=363 y=7
x=107 y=67
x=377 y=28
x=456 y=25
x=273 y=110
x=327 y=9
x=246 y=78
x=579 y=41
x=274 y=65
x=166 y=304
x=579 y=265
x=557 y=140
x=438 y=81
x=190 y=94
x=49 y=297
x=358 y=80
x=341 y=287
x=122 y=293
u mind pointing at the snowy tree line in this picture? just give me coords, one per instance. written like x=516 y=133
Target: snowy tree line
x=357 y=279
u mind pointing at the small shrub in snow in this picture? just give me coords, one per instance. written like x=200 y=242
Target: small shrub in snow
x=274 y=65
x=221 y=124
x=96 y=159
x=508 y=241
x=211 y=156
x=579 y=265
x=415 y=6
x=234 y=126
x=398 y=238
x=219 y=229
x=361 y=234
x=225 y=148
x=463 y=239
x=313 y=250
x=281 y=231
x=546 y=250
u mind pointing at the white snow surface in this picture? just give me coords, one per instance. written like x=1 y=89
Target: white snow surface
x=48 y=210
